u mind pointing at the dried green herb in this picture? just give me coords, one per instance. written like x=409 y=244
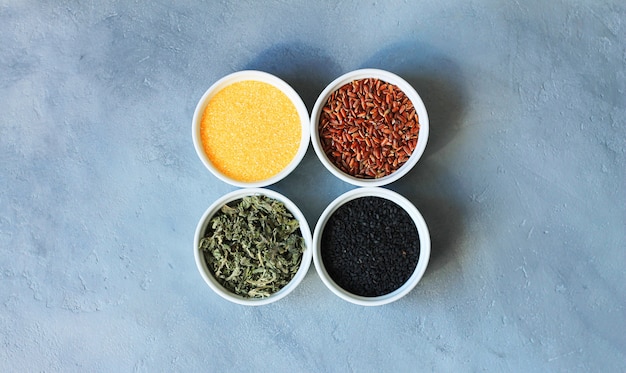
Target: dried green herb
x=253 y=246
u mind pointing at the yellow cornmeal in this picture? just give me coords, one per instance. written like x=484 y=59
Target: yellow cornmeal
x=250 y=131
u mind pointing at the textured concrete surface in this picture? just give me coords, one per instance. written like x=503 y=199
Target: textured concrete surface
x=522 y=184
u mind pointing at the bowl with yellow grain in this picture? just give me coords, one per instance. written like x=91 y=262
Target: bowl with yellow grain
x=251 y=129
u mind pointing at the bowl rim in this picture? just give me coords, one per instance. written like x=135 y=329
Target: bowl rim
x=210 y=279
x=264 y=77
x=388 y=77
x=422 y=262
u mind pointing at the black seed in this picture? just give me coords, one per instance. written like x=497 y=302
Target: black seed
x=370 y=246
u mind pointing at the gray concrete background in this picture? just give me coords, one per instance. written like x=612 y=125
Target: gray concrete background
x=522 y=184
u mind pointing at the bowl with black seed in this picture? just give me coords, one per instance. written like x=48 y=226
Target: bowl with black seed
x=253 y=246
x=369 y=127
x=371 y=246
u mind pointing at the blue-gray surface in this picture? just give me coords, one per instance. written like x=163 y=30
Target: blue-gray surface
x=522 y=185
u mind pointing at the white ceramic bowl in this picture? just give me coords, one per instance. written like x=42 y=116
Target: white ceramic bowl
x=262 y=77
x=207 y=274
x=424 y=239
x=388 y=77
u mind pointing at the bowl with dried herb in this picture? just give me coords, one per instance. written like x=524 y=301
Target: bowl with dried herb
x=371 y=246
x=250 y=129
x=253 y=246
x=369 y=127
